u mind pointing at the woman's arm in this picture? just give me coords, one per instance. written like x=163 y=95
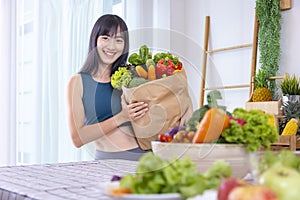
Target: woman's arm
x=82 y=134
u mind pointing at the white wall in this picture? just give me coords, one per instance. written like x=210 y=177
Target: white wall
x=231 y=23
x=290 y=41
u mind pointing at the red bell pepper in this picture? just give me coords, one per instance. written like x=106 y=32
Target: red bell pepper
x=166 y=67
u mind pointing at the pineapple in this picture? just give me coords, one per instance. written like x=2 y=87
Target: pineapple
x=261 y=91
x=291 y=109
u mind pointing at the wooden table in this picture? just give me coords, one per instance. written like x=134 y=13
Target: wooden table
x=78 y=180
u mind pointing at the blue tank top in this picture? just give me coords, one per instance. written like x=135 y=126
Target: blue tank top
x=100 y=100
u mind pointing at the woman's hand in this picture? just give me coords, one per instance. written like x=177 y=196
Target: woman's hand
x=135 y=110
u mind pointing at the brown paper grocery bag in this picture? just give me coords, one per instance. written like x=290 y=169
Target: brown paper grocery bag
x=169 y=105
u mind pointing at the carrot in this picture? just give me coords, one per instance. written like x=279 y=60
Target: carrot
x=151 y=73
x=141 y=71
x=211 y=126
x=119 y=191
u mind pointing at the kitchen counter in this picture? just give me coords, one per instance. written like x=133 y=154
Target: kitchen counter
x=78 y=180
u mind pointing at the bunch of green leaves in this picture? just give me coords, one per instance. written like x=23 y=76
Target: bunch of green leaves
x=269 y=19
x=156 y=176
x=261 y=79
x=165 y=56
x=284 y=157
x=141 y=57
x=257 y=132
x=121 y=77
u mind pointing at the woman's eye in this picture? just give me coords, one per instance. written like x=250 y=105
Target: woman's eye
x=104 y=38
x=119 y=40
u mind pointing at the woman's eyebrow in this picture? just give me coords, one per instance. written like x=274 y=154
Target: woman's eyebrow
x=119 y=36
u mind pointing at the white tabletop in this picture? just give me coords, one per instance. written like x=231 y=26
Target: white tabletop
x=79 y=180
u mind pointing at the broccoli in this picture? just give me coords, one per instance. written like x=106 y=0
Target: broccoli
x=136 y=81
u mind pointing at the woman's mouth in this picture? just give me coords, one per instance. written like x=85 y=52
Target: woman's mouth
x=109 y=53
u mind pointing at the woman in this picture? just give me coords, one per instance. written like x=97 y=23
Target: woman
x=97 y=112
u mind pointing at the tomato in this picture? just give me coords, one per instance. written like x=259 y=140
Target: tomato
x=162 y=137
x=169 y=138
x=165 y=138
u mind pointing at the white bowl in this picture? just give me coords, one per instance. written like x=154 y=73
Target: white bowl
x=204 y=155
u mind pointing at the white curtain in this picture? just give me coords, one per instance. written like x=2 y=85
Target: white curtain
x=7 y=83
x=63 y=35
x=57 y=49
x=64 y=29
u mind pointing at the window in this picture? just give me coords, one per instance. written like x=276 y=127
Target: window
x=26 y=102
x=52 y=42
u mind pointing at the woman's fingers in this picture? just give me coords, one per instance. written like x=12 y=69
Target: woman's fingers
x=137 y=110
x=135 y=107
x=138 y=115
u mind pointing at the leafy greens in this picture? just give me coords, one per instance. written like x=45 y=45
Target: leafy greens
x=257 y=132
x=155 y=176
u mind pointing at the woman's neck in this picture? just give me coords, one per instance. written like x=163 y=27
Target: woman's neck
x=103 y=74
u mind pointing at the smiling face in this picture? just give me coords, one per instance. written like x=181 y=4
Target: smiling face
x=110 y=47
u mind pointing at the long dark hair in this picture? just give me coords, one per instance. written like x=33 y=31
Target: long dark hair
x=106 y=25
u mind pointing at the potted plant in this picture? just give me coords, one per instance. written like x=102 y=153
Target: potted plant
x=269 y=21
x=290 y=88
x=269 y=24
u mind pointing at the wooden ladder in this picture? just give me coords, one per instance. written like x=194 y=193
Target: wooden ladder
x=206 y=52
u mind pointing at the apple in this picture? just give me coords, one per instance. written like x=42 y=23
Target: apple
x=227 y=185
x=252 y=192
x=285 y=181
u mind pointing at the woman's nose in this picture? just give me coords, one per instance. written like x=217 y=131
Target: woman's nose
x=111 y=43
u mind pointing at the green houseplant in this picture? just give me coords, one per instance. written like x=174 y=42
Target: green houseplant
x=269 y=19
x=290 y=85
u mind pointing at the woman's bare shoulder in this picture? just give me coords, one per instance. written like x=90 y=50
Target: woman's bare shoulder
x=75 y=79
x=75 y=82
